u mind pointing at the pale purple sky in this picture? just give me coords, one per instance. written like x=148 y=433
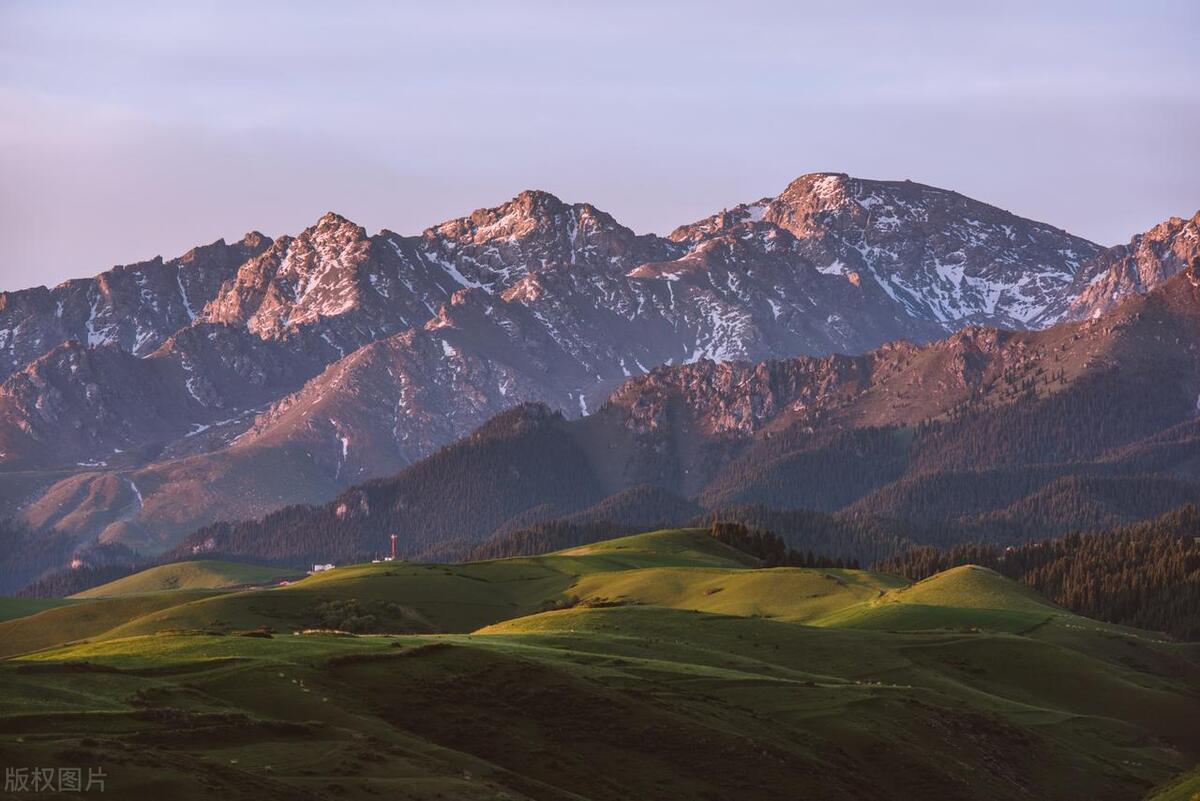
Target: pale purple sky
x=134 y=129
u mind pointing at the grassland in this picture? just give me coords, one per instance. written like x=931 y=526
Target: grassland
x=661 y=666
x=1182 y=788
x=11 y=608
x=199 y=575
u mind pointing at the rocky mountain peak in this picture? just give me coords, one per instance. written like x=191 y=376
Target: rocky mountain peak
x=492 y=248
x=136 y=306
x=1148 y=259
x=722 y=222
x=245 y=248
x=821 y=191
x=531 y=215
x=537 y=202
x=939 y=255
x=255 y=240
x=333 y=224
x=297 y=280
x=813 y=204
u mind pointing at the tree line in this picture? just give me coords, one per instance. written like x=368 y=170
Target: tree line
x=770 y=549
x=1143 y=574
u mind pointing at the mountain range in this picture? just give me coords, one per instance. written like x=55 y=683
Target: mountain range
x=727 y=363
x=986 y=435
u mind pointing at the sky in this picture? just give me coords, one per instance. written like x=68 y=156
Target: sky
x=129 y=130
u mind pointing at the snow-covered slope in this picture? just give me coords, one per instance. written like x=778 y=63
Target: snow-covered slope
x=938 y=256
x=1148 y=260
x=136 y=306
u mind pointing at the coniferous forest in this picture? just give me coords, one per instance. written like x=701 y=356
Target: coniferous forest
x=1144 y=574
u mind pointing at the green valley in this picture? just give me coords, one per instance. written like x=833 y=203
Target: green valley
x=659 y=666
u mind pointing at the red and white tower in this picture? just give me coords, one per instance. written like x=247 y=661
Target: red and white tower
x=393 y=547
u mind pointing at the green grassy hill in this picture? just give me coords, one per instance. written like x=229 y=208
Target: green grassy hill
x=663 y=666
x=671 y=548
x=200 y=575
x=1182 y=788
x=967 y=597
x=972 y=587
x=21 y=607
x=66 y=623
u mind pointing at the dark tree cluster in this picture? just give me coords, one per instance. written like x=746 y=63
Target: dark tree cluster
x=770 y=549
x=1144 y=574
x=68 y=581
x=51 y=564
x=24 y=554
x=862 y=538
x=365 y=617
x=826 y=537
x=551 y=535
